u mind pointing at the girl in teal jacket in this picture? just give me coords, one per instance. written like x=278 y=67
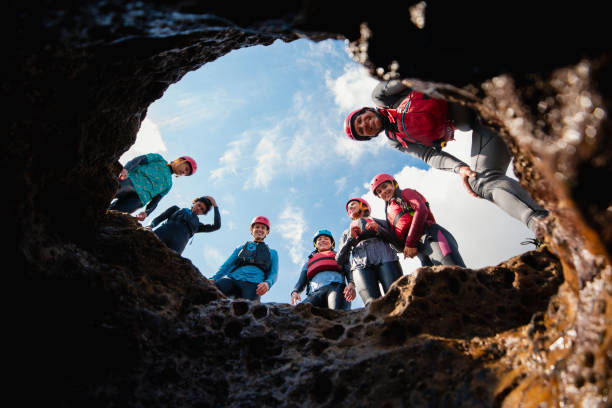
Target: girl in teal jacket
x=146 y=179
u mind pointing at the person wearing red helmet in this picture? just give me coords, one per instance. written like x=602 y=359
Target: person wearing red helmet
x=252 y=268
x=365 y=245
x=178 y=225
x=421 y=126
x=323 y=277
x=414 y=224
x=146 y=179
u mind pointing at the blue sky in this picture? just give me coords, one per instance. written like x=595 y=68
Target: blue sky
x=265 y=125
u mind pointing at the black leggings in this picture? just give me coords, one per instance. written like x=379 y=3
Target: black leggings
x=330 y=296
x=237 y=288
x=438 y=246
x=366 y=279
x=127 y=199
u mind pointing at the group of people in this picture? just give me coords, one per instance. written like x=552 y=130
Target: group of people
x=144 y=180
x=366 y=259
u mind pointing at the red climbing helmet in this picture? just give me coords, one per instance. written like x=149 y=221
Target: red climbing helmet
x=349 y=125
x=379 y=179
x=191 y=162
x=261 y=220
x=363 y=204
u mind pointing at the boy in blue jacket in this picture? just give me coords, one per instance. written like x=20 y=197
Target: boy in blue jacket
x=252 y=268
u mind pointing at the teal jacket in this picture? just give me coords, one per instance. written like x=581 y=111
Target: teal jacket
x=151 y=177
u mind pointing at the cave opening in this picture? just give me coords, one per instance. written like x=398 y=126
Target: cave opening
x=101 y=324
x=265 y=124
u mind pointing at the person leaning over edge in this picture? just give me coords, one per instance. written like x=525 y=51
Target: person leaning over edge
x=146 y=179
x=417 y=124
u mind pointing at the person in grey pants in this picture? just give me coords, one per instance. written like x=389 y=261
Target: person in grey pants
x=490 y=157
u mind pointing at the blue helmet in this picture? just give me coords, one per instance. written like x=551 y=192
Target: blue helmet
x=324 y=232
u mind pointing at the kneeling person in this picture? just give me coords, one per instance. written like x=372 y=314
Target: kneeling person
x=252 y=268
x=323 y=278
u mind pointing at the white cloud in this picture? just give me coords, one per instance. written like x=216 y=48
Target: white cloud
x=191 y=108
x=267 y=157
x=296 y=143
x=292 y=227
x=301 y=140
x=232 y=159
x=306 y=150
x=486 y=235
x=340 y=184
x=353 y=89
x=321 y=49
x=148 y=140
x=353 y=151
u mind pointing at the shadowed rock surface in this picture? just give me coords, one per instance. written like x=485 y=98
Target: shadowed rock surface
x=105 y=315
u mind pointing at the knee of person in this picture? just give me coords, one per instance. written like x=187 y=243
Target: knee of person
x=477 y=186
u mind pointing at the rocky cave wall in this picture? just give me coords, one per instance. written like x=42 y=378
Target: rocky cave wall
x=106 y=316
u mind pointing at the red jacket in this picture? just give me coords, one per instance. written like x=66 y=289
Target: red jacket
x=420 y=119
x=408 y=214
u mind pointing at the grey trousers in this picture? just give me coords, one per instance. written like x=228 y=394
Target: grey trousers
x=490 y=159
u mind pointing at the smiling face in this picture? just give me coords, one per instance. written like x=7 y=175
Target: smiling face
x=354 y=209
x=323 y=243
x=199 y=208
x=385 y=190
x=368 y=124
x=259 y=231
x=181 y=168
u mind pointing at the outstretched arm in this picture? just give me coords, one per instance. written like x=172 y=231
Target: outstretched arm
x=300 y=285
x=387 y=234
x=163 y=216
x=228 y=265
x=344 y=250
x=273 y=275
x=152 y=204
x=389 y=94
x=439 y=159
x=436 y=158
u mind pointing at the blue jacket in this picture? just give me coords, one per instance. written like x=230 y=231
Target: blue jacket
x=248 y=273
